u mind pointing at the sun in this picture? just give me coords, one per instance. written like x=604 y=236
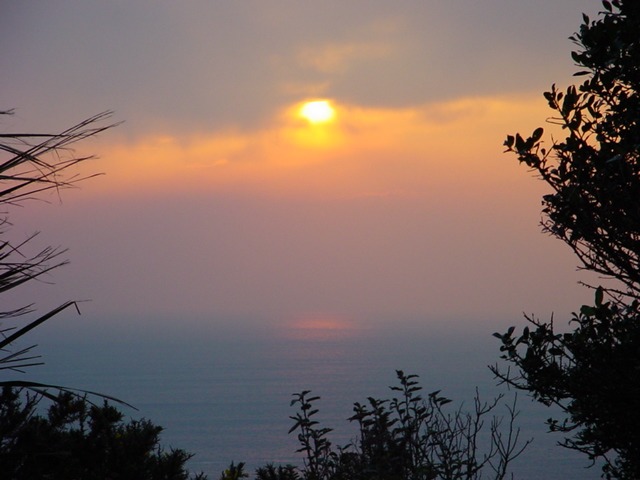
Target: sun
x=318 y=111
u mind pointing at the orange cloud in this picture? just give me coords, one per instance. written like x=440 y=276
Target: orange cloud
x=365 y=151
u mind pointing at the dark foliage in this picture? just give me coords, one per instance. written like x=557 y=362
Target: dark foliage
x=271 y=472
x=405 y=438
x=592 y=372
x=30 y=164
x=594 y=173
x=79 y=440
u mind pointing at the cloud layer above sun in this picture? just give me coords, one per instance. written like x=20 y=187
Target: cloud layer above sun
x=361 y=151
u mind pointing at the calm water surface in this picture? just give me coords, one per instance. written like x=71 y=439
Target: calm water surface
x=225 y=396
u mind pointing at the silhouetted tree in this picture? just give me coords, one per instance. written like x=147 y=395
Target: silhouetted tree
x=76 y=439
x=592 y=372
x=30 y=164
x=594 y=173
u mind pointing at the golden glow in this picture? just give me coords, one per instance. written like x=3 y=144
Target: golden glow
x=318 y=111
x=320 y=327
x=421 y=151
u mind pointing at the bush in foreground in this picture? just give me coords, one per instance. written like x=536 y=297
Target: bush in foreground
x=75 y=439
x=407 y=437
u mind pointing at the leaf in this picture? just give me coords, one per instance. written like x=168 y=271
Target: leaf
x=293 y=428
x=509 y=141
x=11 y=338
x=599 y=296
x=569 y=100
x=587 y=311
x=537 y=134
x=37 y=387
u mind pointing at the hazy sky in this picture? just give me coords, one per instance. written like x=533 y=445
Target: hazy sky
x=220 y=203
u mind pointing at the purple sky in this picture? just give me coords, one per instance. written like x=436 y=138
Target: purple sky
x=221 y=204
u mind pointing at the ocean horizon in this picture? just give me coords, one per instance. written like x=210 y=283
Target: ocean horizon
x=223 y=394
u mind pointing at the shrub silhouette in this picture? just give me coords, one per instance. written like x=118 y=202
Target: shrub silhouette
x=407 y=437
x=78 y=439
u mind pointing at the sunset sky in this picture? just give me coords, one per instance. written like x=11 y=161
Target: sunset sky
x=222 y=203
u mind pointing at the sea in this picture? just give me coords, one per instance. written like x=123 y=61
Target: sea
x=223 y=393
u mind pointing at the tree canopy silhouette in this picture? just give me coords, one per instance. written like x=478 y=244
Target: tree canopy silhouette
x=592 y=372
x=594 y=173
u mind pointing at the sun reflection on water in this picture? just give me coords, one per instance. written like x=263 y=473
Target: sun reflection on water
x=320 y=327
